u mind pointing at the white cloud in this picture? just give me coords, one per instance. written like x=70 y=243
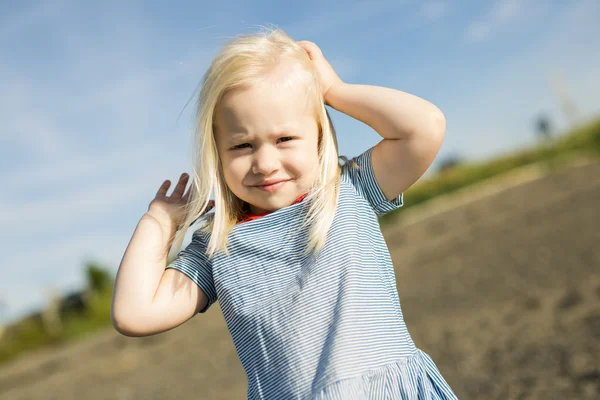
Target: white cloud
x=103 y=93
x=26 y=126
x=337 y=17
x=434 y=10
x=74 y=207
x=502 y=13
x=496 y=112
x=27 y=17
x=107 y=96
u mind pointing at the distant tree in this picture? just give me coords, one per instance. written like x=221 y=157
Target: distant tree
x=74 y=303
x=98 y=278
x=3 y=308
x=543 y=128
x=449 y=162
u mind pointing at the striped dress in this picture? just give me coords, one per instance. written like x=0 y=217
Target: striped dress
x=325 y=327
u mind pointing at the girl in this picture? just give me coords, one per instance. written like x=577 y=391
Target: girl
x=293 y=250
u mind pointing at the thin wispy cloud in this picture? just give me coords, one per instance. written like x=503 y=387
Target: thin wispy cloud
x=75 y=207
x=434 y=10
x=502 y=13
x=43 y=12
x=356 y=15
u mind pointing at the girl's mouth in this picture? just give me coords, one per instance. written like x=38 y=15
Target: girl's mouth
x=272 y=186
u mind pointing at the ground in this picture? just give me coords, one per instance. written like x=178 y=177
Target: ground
x=503 y=293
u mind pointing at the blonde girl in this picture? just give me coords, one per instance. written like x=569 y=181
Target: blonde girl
x=293 y=250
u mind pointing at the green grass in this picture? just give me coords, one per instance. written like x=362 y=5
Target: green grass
x=29 y=334
x=98 y=316
x=583 y=141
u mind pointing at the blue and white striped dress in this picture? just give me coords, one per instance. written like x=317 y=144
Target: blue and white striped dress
x=329 y=327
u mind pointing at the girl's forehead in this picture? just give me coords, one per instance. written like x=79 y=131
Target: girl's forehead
x=263 y=106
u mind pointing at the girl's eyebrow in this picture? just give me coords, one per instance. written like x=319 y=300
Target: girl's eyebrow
x=238 y=135
x=243 y=135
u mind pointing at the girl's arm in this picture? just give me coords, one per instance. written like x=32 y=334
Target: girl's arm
x=412 y=129
x=148 y=299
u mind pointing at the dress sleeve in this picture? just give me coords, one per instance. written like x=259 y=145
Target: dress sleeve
x=359 y=171
x=194 y=263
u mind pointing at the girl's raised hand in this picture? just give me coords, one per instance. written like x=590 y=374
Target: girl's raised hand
x=327 y=76
x=169 y=211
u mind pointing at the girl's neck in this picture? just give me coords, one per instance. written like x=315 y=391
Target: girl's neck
x=249 y=216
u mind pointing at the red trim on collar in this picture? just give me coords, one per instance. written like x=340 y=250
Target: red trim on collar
x=251 y=217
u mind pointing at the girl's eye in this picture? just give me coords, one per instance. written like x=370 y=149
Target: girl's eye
x=286 y=138
x=240 y=146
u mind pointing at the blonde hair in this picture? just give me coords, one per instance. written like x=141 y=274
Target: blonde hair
x=242 y=62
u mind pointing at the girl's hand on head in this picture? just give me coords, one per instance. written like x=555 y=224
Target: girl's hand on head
x=170 y=211
x=327 y=76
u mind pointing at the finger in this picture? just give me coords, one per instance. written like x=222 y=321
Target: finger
x=164 y=187
x=311 y=48
x=307 y=43
x=180 y=185
x=187 y=196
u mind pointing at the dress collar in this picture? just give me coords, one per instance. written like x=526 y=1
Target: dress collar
x=250 y=217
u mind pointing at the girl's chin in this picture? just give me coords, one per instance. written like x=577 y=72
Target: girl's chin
x=260 y=207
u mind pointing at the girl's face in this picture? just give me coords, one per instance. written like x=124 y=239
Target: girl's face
x=267 y=141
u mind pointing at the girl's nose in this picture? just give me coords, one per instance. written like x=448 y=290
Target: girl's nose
x=266 y=161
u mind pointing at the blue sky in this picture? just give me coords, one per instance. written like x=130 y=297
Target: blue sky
x=93 y=101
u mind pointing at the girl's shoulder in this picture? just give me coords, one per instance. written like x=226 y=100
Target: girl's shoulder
x=358 y=172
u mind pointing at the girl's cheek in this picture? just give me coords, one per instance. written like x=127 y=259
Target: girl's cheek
x=303 y=161
x=304 y=154
x=233 y=177
x=238 y=165
x=294 y=157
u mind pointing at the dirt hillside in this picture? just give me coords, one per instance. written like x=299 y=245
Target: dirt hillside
x=503 y=293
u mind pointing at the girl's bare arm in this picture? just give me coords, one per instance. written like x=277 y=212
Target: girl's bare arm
x=148 y=299
x=412 y=128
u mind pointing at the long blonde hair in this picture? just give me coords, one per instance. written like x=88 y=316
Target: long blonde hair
x=244 y=60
